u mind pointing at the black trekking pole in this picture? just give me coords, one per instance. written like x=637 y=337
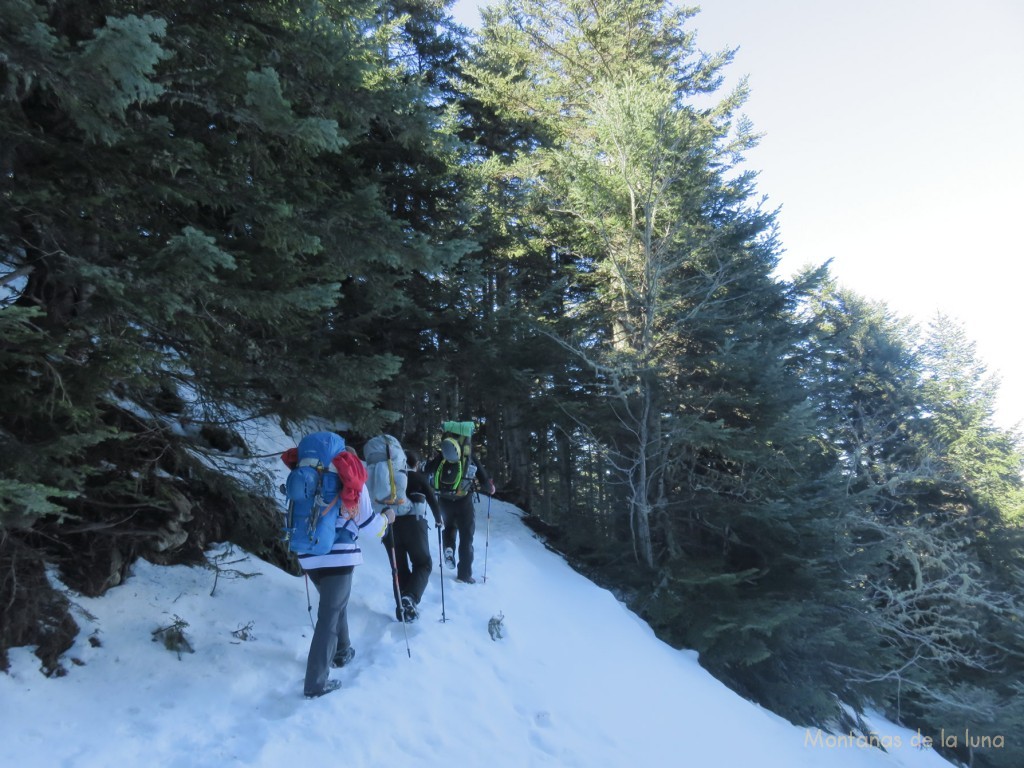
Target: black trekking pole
x=440 y=567
x=309 y=603
x=398 y=591
x=487 y=537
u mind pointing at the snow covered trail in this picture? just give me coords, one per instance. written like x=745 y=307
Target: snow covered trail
x=576 y=680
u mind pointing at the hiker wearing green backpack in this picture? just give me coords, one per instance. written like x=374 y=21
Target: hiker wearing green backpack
x=455 y=475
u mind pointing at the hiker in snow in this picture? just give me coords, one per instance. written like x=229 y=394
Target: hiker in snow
x=331 y=573
x=455 y=474
x=392 y=486
x=409 y=537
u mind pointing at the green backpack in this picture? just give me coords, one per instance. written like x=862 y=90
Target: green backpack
x=453 y=478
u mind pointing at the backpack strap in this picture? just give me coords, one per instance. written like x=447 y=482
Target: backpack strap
x=440 y=468
x=319 y=467
x=391 y=474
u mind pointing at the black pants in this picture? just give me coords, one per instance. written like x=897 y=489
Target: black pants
x=412 y=555
x=460 y=519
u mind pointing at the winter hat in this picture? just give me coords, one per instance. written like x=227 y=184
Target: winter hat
x=450 y=450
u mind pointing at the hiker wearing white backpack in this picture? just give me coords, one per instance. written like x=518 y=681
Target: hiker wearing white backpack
x=410 y=539
x=395 y=484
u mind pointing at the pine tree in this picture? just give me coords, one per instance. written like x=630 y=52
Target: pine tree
x=200 y=220
x=428 y=191
x=639 y=186
x=682 y=386
x=920 y=540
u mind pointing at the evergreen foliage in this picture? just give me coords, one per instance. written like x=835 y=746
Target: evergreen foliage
x=196 y=212
x=358 y=211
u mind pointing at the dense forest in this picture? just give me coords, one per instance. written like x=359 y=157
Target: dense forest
x=357 y=210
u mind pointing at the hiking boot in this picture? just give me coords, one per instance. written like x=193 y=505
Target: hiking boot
x=449 y=558
x=466 y=580
x=330 y=685
x=341 y=658
x=408 y=612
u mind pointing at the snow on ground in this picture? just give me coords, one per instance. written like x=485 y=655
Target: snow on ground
x=575 y=680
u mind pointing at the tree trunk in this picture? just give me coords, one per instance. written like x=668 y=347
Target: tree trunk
x=517 y=457
x=641 y=489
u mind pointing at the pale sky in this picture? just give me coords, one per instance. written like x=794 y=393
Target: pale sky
x=893 y=146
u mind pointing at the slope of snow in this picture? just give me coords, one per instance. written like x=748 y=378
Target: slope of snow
x=576 y=680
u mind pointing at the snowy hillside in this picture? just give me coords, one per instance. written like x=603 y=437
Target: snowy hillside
x=576 y=680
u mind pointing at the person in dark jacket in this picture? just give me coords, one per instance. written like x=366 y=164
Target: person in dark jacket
x=408 y=534
x=455 y=479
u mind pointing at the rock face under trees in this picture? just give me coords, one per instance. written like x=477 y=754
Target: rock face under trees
x=167 y=520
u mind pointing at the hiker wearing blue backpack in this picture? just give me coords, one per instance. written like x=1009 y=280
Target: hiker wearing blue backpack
x=455 y=475
x=329 y=482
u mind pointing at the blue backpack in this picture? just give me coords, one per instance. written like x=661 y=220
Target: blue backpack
x=313 y=490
